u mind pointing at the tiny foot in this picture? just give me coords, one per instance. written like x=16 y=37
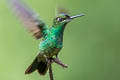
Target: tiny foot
x=57 y=61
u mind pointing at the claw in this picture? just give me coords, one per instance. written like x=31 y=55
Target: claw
x=57 y=61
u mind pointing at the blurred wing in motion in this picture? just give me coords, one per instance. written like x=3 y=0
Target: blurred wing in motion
x=29 y=18
x=61 y=10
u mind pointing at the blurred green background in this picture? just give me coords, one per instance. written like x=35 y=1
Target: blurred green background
x=91 y=43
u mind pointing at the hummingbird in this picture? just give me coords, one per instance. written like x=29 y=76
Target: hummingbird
x=52 y=37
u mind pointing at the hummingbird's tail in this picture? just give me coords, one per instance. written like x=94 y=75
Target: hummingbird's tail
x=41 y=67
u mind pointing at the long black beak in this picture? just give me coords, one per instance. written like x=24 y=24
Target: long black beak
x=76 y=16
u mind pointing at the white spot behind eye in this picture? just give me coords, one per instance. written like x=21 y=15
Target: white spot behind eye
x=59 y=19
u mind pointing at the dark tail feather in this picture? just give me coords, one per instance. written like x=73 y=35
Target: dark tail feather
x=40 y=66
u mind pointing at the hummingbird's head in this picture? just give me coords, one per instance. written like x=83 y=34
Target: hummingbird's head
x=63 y=19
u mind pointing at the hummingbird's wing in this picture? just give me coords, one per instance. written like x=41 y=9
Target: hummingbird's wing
x=29 y=18
x=61 y=10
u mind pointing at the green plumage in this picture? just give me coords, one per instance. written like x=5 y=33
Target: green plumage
x=49 y=46
x=52 y=41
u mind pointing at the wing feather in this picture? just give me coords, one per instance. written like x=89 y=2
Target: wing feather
x=29 y=18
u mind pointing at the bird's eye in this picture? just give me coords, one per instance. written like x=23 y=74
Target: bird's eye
x=59 y=19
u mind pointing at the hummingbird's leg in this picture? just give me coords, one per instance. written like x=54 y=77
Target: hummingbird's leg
x=57 y=61
x=48 y=61
x=56 y=56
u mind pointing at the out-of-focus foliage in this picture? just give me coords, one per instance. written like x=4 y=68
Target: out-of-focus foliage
x=91 y=43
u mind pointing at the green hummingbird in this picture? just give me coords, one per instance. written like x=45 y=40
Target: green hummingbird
x=52 y=38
